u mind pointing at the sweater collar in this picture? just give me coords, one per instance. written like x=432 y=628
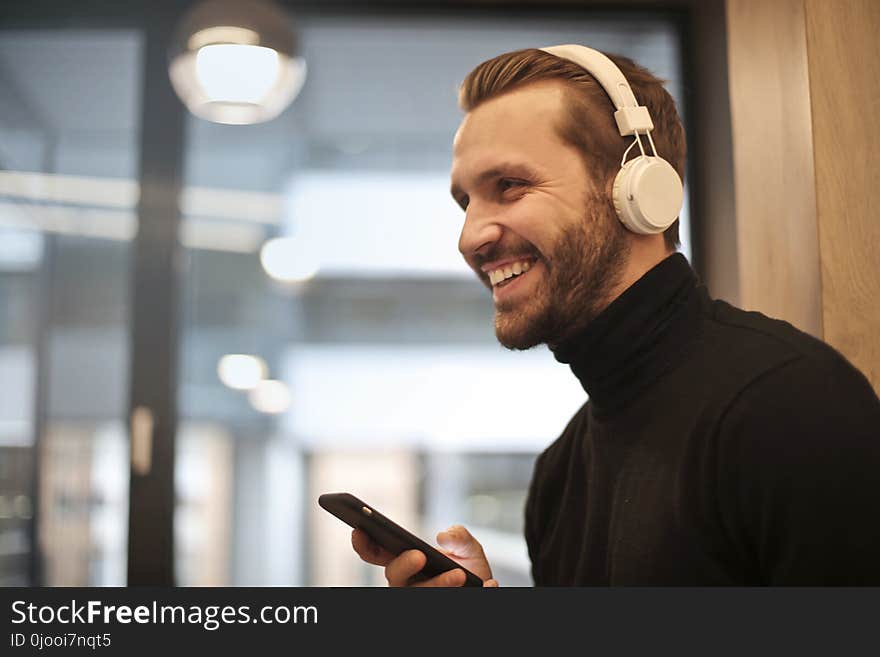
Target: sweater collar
x=637 y=337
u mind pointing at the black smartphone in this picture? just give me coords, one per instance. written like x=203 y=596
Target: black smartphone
x=390 y=535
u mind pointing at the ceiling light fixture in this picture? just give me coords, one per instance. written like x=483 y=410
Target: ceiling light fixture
x=236 y=61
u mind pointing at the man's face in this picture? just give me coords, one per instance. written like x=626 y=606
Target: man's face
x=532 y=207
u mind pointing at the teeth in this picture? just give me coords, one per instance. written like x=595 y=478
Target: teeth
x=503 y=273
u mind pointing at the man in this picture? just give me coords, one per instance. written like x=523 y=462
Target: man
x=717 y=446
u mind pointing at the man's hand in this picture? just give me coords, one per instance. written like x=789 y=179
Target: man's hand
x=456 y=543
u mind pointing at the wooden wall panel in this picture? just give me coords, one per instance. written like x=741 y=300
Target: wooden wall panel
x=844 y=65
x=773 y=161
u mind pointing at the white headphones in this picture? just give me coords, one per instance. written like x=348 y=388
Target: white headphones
x=647 y=193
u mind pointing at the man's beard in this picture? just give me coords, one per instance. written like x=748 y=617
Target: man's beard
x=585 y=265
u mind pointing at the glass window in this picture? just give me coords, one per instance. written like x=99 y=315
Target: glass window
x=69 y=124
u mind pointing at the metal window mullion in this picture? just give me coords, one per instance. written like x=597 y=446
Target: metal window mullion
x=154 y=321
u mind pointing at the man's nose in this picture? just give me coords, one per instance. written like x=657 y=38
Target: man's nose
x=481 y=229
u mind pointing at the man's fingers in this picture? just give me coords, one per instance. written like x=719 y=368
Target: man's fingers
x=458 y=541
x=449 y=578
x=490 y=583
x=368 y=550
x=402 y=568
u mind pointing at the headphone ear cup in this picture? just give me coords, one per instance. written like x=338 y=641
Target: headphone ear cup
x=647 y=195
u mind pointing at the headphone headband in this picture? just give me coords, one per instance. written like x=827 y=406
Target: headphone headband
x=647 y=191
x=631 y=117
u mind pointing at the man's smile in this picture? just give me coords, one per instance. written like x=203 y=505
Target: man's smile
x=500 y=272
x=506 y=281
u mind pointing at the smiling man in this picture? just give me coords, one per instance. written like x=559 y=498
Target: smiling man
x=717 y=446
x=537 y=229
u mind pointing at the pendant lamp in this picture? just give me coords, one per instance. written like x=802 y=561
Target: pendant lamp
x=236 y=61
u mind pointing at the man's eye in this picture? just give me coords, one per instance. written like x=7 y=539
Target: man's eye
x=506 y=184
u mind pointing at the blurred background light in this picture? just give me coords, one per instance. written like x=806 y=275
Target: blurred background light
x=81 y=190
x=241 y=371
x=386 y=223
x=284 y=259
x=223 y=34
x=236 y=73
x=20 y=250
x=270 y=396
x=235 y=62
x=214 y=218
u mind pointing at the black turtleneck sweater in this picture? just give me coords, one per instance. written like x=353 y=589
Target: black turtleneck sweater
x=718 y=447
